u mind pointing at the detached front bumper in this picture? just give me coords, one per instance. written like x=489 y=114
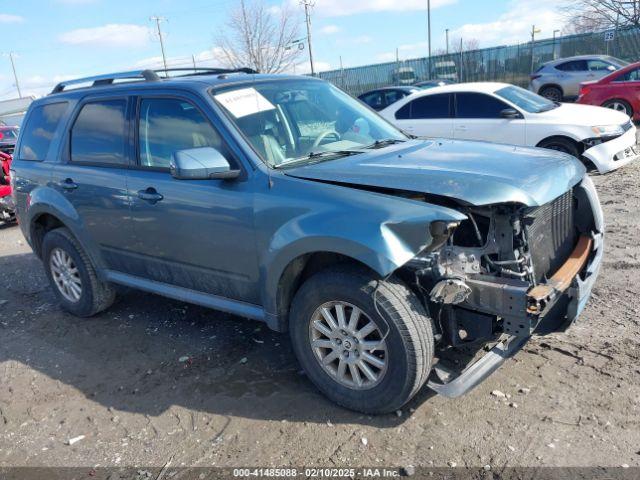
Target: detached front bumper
x=546 y=308
x=615 y=153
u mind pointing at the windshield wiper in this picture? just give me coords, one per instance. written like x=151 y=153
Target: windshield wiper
x=316 y=157
x=385 y=142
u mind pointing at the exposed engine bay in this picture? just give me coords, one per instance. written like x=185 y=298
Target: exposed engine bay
x=498 y=272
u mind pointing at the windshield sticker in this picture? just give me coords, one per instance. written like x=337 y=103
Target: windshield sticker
x=244 y=102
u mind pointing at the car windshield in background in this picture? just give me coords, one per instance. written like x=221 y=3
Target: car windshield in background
x=617 y=61
x=301 y=121
x=526 y=100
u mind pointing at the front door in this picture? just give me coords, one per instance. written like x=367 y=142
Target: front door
x=196 y=234
x=93 y=178
x=478 y=117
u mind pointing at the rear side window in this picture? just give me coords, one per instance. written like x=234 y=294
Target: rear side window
x=478 y=105
x=428 y=107
x=98 y=135
x=573 y=66
x=39 y=130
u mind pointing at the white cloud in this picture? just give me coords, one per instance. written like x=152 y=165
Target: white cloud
x=111 y=35
x=8 y=18
x=335 y=8
x=514 y=26
x=329 y=29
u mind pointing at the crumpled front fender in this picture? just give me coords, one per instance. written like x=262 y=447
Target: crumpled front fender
x=382 y=232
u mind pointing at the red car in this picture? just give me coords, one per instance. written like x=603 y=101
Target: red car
x=619 y=90
x=7 y=213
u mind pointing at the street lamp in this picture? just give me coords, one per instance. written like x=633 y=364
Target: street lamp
x=534 y=30
x=554 y=43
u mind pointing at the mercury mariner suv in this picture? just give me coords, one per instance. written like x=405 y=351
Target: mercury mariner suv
x=393 y=262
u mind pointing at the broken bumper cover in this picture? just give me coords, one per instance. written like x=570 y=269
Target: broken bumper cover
x=545 y=308
x=614 y=153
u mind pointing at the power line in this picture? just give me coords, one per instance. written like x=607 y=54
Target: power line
x=157 y=19
x=308 y=4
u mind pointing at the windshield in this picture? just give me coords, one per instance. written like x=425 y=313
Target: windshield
x=300 y=121
x=526 y=100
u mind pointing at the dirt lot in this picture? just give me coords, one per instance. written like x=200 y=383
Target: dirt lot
x=241 y=400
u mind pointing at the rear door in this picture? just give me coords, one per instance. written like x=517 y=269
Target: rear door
x=195 y=234
x=427 y=116
x=478 y=117
x=92 y=176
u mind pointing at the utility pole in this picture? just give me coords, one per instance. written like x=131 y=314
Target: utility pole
x=15 y=75
x=157 y=19
x=447 y=34
x=534 y=30
x=429 y=33
x=308 y=4
x=193 y=58
x=554 y=43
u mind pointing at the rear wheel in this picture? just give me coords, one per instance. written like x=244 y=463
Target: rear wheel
x=552 y=93
x=367 y=344
x=72 y=276
x=620 y=106
x=560 y=144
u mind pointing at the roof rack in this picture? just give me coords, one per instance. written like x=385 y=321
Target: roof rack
x=147 y=75
x=108 y=78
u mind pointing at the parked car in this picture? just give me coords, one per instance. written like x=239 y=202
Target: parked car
x=8 y=138
x=7 y=210
x=383 y=97
x=283 y=199
x=619 y=91
x=425 y=84
x=503 y=113
x=560 y=79
x=403 y=76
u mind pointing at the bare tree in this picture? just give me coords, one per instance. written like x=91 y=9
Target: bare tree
x=592 y=15
x=259 y=37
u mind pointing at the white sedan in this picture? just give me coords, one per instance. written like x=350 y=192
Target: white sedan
x=503 y=113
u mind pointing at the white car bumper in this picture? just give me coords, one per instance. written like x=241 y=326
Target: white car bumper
x=615 y=153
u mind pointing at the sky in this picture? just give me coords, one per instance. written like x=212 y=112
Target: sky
x=55 y=40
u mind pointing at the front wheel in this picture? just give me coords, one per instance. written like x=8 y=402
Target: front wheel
x=367 y=344
x=560 y=144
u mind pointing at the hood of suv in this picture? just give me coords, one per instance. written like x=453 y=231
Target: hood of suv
x=476 y=173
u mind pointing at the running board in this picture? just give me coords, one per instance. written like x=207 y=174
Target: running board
x=477 y=372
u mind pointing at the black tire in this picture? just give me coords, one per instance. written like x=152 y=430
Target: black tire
x=409 y=342
x=552 y=93
x=95 y=296
x=628 y=109
x=561 y=144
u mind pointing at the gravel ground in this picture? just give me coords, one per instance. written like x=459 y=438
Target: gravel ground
x=120 y=380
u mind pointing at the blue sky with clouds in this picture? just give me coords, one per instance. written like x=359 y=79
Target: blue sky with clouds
x=59 y=39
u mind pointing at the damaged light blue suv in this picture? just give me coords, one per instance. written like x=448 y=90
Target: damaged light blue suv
x=393 y=262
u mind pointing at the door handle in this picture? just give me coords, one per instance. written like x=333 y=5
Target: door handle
x=150 y=195
x=68 y=184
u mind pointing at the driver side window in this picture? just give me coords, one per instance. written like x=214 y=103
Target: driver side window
x=166 y=125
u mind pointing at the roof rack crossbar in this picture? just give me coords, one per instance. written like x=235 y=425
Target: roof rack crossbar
x=108 y=79
x=208 y=70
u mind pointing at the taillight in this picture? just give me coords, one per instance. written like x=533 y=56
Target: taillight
x=584 y=90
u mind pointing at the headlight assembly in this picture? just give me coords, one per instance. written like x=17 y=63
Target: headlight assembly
x=608 y=130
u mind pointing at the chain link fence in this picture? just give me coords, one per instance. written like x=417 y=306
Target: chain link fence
x=509 y=63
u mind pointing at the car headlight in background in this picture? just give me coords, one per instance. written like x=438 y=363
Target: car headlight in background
x=608 y=130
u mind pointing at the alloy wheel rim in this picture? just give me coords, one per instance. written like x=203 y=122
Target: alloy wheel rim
x=348 y=345
x=617 y=106
x=66 y=275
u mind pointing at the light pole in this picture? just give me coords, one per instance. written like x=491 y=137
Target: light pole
x=534 y=30
x=429 y=34
x=308 y=4
x=447 y=35
x=164 y=57
x=15 y=75
x=554 y=43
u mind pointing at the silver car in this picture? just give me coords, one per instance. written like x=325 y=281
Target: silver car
x=560 y=79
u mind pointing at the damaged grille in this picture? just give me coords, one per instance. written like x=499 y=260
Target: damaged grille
x=551 y=235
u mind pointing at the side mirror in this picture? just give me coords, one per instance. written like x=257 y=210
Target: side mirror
x=510 y=113
x=205 y=163
x=611 y=68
